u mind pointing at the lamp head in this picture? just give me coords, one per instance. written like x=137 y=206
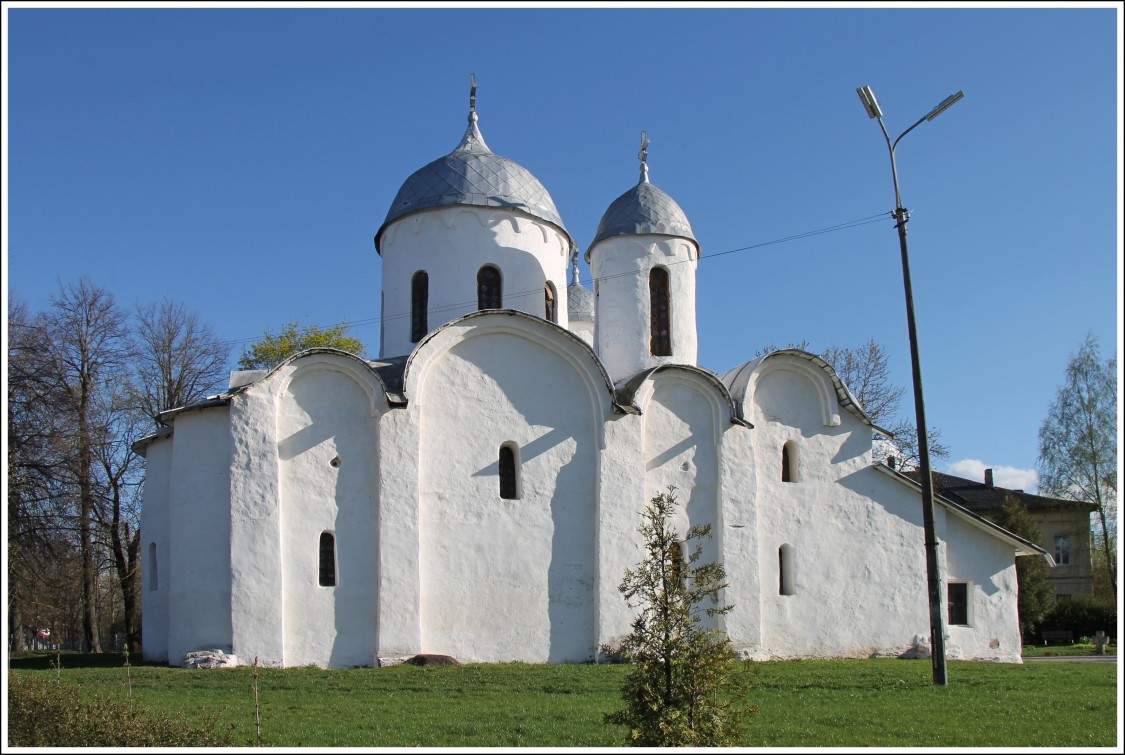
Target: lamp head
x=867 y=97
x=944 y=105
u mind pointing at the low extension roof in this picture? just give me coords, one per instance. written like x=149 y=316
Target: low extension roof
x=980 y=497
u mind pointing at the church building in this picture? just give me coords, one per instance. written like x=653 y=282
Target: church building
x=476 y=491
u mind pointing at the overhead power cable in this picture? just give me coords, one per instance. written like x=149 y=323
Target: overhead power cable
x=539 y=291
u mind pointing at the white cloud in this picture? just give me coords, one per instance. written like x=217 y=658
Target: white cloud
x=1004 y=477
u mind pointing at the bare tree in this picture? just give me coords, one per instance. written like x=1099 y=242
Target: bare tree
x=179 y=359
x=87 y=339
x=38 y=526
x=1078 y=443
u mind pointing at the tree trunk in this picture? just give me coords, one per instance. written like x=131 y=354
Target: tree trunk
x=89 y=568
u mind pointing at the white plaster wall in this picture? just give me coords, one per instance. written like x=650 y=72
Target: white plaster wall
x=451 y=244
x=739 y=517
x=856 y=538
x=621 y=502
x=584 y=329
x=255 y=517
x=199 y=594
x=399 y=614
x=988 y=565
x=620 y=266
x=154 y=531
x=507 y=579
x=323 y=417
x=681 y=436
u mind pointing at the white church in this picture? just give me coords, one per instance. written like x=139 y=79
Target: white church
x=476 y=491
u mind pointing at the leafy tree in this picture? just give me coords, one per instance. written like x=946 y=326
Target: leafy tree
x=1035 y=592
x=272 y=349
x=683 y=689
x=1085 y=615
x=1078 y=444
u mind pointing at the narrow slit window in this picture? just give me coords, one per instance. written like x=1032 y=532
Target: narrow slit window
x=785 y=583
x=550 y=310
x=509 y=473
x=660 y=339
x=152 y=572
x=789 y=459
x=419 y=305
x=489 y=288
x=327 y=559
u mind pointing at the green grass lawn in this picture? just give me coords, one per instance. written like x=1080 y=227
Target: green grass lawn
x=886 y=702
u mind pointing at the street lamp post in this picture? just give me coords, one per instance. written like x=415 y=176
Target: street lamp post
x=933 y=577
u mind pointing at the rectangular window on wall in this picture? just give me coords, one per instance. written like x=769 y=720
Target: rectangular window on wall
x=1062 y=550
x=958 y=603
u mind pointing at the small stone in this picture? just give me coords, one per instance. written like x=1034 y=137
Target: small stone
x=431 y=659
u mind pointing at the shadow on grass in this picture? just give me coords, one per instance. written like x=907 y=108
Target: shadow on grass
x=43 y=660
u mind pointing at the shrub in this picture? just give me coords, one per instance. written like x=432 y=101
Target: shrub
x=685 y=687
x=1084 y=615
x=44 y=712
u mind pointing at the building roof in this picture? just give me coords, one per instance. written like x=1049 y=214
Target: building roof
x=472 y=175
x=643 y=210
x=738 y=377
x=1024 y=547
x=980 y=497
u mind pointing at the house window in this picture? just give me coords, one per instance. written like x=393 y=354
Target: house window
x=789 y=462
x=1062 y=550
x=327 y=559
x=419 y=303
x=958 y=599
x=785 y=581
x=660 y=342
x=550 y=310
x=509 y=472
x=152 y=574
x=489 y=288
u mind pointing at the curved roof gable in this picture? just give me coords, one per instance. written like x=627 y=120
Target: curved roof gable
x=738 y=381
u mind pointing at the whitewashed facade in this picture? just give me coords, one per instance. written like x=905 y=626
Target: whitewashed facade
x=476 y=491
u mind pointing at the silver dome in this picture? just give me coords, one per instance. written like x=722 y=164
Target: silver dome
x=579 y=299
x=472 y=175
x=644 y=209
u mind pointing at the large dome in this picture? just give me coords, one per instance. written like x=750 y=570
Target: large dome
x=644 y=209
x=473 y=175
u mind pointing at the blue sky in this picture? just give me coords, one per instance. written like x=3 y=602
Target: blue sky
x=241 y=159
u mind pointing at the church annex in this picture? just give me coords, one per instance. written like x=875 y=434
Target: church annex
x=476 y=490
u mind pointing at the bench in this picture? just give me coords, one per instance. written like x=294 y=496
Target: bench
x=1057 y=635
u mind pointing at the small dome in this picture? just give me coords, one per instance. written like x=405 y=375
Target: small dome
x=644 y=209
x=579 y=299
x=472 y=175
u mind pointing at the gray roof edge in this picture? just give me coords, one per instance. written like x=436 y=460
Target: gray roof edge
x=627 y=388
x=1024 y=546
